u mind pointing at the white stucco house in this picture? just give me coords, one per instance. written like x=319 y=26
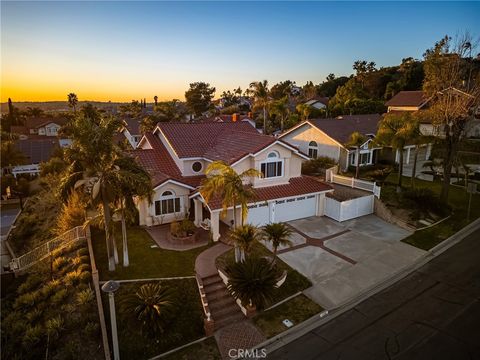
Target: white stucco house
x=177 y=154
x=327 y=137
x=131 y=131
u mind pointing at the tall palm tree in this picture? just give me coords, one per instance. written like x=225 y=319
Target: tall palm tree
x=253 y=281
x=356 y=140
x=395 y=130
x=304 y=110
x=280 y=109
x=152 y=304
x=223 y=181
x=245 y=237
x=259 y=91
x=155 y=98
x=278 y=234
x=72 y=101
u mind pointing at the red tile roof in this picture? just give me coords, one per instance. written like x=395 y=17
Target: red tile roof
x=133 y=126
x=35 y=123
x=341 y=127
x=215 y=141
x=297 y=186
x=407 y=98
x=37 y=150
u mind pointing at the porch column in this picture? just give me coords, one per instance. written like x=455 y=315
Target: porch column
x=408 y=155
x=215 y=224
x=198 y=212
x=320 y=205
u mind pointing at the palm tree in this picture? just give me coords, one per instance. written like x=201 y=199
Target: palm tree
x=245 y=237
x=152 y=304
x=278 y=234
x=280 y=109
x=34 y=111
x=253 y=281
x=356 y=140
x=10 y=155
x=395 y=130
x=155 y=98
x=72 y=101
x=260 y=92
x=223 y=181
x=304 y=110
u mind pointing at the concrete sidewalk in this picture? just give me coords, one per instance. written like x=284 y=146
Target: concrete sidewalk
x=8 y=218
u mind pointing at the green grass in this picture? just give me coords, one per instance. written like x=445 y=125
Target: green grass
x=297 y=310
x=206 y=350
x=186 y=324
x=145 y=262
x=457 y=199
x=294 y=283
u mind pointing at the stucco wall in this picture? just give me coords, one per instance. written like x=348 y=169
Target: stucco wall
x=187 y=167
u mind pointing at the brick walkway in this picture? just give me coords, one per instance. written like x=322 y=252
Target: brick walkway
x=159 y=234
x=310 y=241
x=240 y=335
x=205 y=262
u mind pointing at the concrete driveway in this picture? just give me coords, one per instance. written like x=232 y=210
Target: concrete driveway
x=345 y=259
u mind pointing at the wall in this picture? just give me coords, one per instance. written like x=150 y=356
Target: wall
x=381 y=210
x=187 y=167
x=302 y=136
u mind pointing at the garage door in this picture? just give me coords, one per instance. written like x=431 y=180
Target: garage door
x=295 y=208
x=258 y=214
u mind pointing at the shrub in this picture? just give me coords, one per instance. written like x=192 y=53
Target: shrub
x=32 y=282
x=72 y=214
x=91 y=329
x=59 y=296
x=424 y=200
x=85 y=276
x=34 y=315
x=50 y=288
x=317 y=166
x=83 y=267
x=26 y=300
x=33 y=335
x=72 y=277
x=85 y=259
x=85 y=296
x=54 y=326
x=185 y=228
x=82 y=252
x=59 y=263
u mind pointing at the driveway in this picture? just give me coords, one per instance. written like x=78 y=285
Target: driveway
x=345 y=259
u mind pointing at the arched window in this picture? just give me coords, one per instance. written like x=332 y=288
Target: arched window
x=312 y=149
x=169 y=203
x=272 y=166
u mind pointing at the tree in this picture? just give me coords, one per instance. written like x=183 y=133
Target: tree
x=11 y=156
x=394 y=131
x=34 y=111
x=149 y=123
x=304 y=110
x=356 y=140
x=199 y=97
x=224 y=182
x=253 y=281
x=452 y=82
x=245 y=237
x=280 y=109
x=155 y=99
x=72 y=101
x=170 y=111
x=152 y=304
x=279 y=235
x=281 y=89
x=72 y=213
x=260 y=93
x=309 y=90
x=231 y=98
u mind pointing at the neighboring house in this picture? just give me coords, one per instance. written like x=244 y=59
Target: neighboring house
x=131 y=131
x=177 y=154
x=39 y=126
x=318 y=102
x=231 y=118
x=36 y=151
x=327 y=137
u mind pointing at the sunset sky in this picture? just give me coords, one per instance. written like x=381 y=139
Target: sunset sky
x=121 y=51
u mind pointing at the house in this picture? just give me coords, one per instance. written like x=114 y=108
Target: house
x=327 y=137
x=177 y=154
x=131 y=131
x=318 y=102
x=232 y=118
x=40 y=127
x=407 y=101
x=35 y=151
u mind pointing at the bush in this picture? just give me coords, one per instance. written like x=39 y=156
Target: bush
x=54 y=326
x=27 y=300
x=424 y=201
x=317 y=166
x=82 y=252
x=91 y=329
x=72 y=214
x=32 y=282
x=33 y=335
x=185 y=228
x=59 y=297
x=50 y=288
x=83 y=267
x=85 y=296
x=72 y=277
x=59 y=263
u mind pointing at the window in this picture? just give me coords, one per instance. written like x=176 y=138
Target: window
x=168 y=204
x=197 y=166
x=273 y=166
x=312 y=150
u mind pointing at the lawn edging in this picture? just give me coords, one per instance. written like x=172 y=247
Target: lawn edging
x=178 y=348
x=324 y=317
x=150 y=279
x=98 y=295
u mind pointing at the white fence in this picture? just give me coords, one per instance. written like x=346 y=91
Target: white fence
x=332 y=176
x=349 y=209
x=44 y=250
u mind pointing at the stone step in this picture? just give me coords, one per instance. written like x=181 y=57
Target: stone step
x=211 y=279
x=226 y=311
x=214 y=287
x=228 y=320
x=221 y=302
x=218 y=293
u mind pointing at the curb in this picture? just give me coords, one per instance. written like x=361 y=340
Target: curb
x=317 y=320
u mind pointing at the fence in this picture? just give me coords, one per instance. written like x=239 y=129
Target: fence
x=44 y=250
x=332 y=176
x=349 y=209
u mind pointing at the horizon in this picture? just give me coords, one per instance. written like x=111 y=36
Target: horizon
x=128 y=50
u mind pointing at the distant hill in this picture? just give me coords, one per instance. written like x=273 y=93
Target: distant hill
x=54 y=106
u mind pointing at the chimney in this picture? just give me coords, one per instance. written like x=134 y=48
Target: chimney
x=235 y=117
x=250 y=115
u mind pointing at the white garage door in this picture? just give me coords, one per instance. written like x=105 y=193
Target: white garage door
x=258 y=214
x=295 y=208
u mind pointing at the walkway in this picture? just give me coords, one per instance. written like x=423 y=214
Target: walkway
x=159 y=234
x=205 y=262
x=240 y=335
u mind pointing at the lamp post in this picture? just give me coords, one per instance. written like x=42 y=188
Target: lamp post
x=110 y=287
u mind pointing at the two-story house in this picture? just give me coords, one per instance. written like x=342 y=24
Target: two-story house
x=131 y=131
x=177 y=155
x=329 y=137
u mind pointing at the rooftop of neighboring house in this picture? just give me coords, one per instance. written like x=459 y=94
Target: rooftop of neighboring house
x=322 y=99
x=408 y=99
x=37 y=150
x=35 y=123
x=227 y=118
x=132 y=125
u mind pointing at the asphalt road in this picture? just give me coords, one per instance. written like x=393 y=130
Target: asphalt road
x=434 y=313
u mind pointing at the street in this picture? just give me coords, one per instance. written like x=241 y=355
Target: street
x=8 y=216
x=434 y=313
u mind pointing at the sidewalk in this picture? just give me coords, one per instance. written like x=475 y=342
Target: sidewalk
x=8 y=218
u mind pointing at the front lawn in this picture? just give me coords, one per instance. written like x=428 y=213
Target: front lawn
x=205 y=350
x=297 y=310
x=185 y=325
x=294 y=283
x=457 y=200
x=145 y=262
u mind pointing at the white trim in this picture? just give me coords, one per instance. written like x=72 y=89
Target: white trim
x=316 y=128
x=173 y=182
x=166 y=139
x=196 y=158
